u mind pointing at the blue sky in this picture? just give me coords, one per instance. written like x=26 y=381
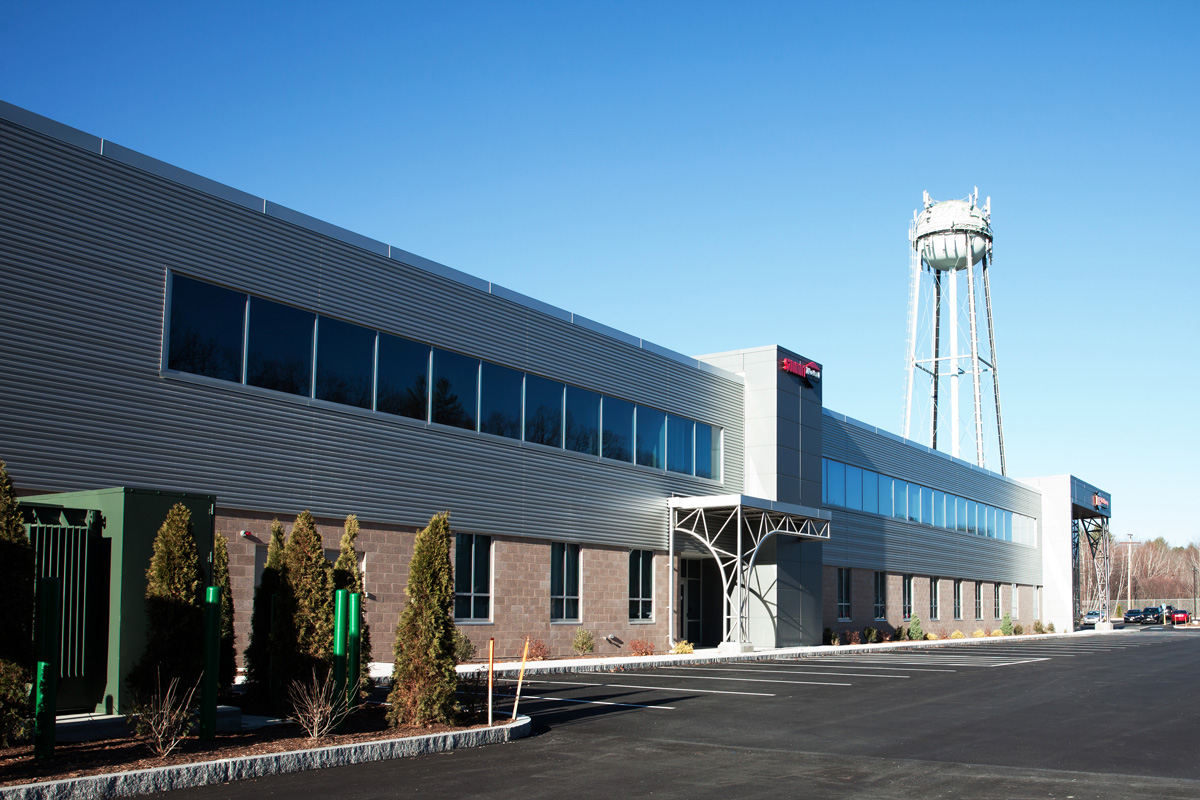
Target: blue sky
x=711 y=176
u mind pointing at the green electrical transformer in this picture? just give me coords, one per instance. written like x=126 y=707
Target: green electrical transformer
x=98 y=544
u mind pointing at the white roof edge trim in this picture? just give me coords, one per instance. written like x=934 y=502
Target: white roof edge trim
x=759 y=503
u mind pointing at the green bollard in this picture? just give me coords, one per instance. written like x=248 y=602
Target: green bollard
x=45 y=693
x=354 y=650
x=212 y=658
x=339 y=643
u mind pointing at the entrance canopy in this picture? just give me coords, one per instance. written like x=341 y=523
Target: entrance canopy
x=733 y=528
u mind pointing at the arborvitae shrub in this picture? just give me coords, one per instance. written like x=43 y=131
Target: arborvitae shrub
x=827 y=636
x=228 y=659
x=174 y=620
x=348 y=575
x=464 y=648
x=16 y=622
x=424 y=680
x=310 y=581
x=1006 y=626
x=260 y=649
x=915 y=633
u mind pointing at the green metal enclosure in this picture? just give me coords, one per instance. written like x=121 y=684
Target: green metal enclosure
x=98 y=544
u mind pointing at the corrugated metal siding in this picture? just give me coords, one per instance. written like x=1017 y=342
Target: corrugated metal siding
x=871 y=541
x=84 y=251
x=867 y=447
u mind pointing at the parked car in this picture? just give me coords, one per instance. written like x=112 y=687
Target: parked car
x=1180 y=616
x=1133 y=615
x=1091 y=618
x=1152 y=615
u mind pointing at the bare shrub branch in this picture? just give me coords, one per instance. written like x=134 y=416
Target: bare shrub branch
x=162 y=719
x=317 y=705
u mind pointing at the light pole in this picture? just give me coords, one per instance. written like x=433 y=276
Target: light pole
x=1129 y=572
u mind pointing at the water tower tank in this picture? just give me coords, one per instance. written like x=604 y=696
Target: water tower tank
x=940 y=230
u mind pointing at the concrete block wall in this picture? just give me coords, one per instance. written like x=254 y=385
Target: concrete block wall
x=520 y=587
x=862 y=603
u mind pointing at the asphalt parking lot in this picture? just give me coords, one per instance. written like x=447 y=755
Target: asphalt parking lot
x=1099 y=716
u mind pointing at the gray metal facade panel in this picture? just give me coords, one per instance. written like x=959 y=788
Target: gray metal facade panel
x=890 y=455
x=84 y=253
x=869 y=541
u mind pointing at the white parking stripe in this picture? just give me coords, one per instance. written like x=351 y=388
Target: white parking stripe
x=859 y=665
x=740 y=680
x=651 y=688
x=789 y=672
x=588 y=702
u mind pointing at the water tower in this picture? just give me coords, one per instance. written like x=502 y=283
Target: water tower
x=950 y=334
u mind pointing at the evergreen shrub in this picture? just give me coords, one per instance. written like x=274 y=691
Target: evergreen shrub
x=16 y=623
x=262 y=649
x=915 y=633
x=174 y=617
x=227 y=664
x=424 y=680
x=583 y=642
x=308 y=602
x=1006 y=625
x=347 y=574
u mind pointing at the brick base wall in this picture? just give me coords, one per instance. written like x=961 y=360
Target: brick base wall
x=520 y=593
x=862 y=607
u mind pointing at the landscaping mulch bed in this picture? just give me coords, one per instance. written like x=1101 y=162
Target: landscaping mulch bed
x=78 y=759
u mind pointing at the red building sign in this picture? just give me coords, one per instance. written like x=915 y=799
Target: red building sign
x=809 y=370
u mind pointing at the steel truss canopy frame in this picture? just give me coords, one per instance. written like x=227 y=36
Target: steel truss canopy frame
x=1096 y=532
x=732 y=529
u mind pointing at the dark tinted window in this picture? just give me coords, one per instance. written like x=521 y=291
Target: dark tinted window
x=543 y=411
x=564 y=581
x=279 y=354
x=708 y=451
x=500 y=401
x=617 y=439
x=681 y=435
x=455 y=386
x=345 y=362
x=651 y=431
x=207 y=325
x=583 y=421
x=403 y=384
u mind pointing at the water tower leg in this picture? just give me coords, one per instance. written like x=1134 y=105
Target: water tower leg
x=954 y=363
x=987 y=299
x=937 y=330
x=974 y=354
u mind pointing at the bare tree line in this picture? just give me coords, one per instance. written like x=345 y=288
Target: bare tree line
x=1153 y=570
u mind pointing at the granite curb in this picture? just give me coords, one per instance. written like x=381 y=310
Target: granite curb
x=204 y=773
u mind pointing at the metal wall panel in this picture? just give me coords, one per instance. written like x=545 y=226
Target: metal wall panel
x=872 y=541
x=865 y=446
x=85 y=249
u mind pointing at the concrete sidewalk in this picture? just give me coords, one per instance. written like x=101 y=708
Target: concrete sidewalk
x=711 y=656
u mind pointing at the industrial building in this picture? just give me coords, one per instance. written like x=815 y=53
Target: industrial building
x=164 y=331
